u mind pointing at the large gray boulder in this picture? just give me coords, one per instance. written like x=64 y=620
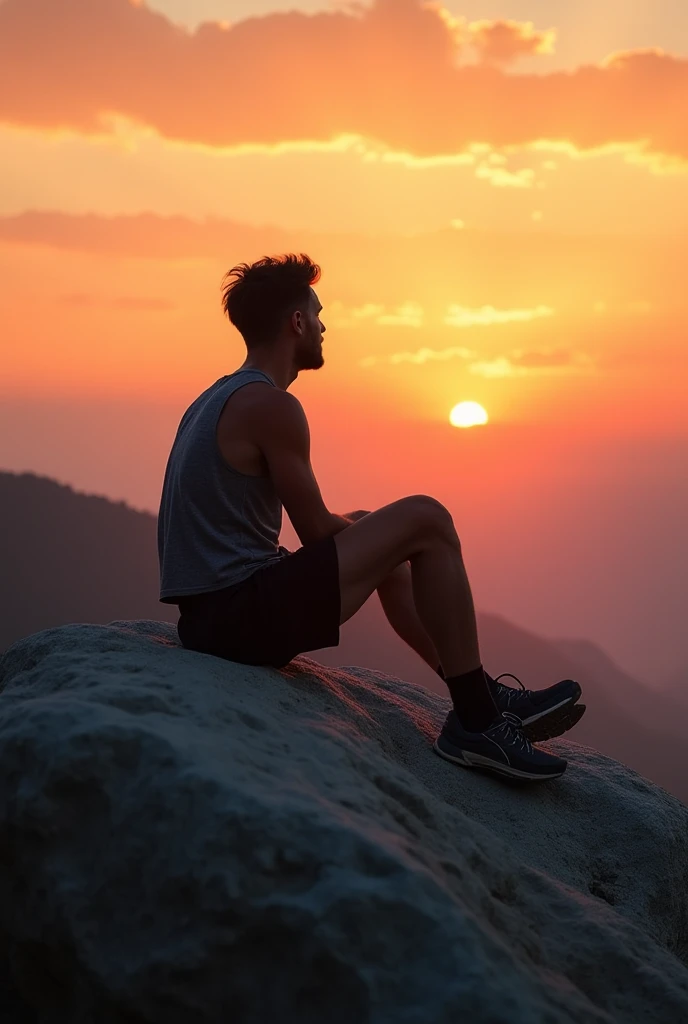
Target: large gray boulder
x=185 y=839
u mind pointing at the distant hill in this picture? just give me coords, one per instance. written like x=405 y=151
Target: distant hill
x=71 y=557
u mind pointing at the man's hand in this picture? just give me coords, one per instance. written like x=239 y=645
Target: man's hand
x=355 y=516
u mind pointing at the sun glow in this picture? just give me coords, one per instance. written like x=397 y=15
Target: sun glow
x=467 y=414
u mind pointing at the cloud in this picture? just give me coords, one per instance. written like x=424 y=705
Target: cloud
x=420 y=356
x=388 y=72
x=353 y=317
x=409 y=314
x=142 y=235
x=503 y=178
x=519 y=363
x=503 y=42
x=462 y=316
x=536 y=363
x=537 y=360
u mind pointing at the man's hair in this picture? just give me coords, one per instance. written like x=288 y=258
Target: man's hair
x=257 y=297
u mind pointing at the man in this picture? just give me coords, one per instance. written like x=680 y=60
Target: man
x=241 y=454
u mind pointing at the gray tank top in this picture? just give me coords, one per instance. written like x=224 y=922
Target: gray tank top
x=216 y=526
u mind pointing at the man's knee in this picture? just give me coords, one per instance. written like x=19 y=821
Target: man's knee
x=429 y=513
x=422 y=507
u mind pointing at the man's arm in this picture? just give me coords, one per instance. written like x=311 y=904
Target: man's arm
x=347 y=519
x=340 y=523
x=279 y=427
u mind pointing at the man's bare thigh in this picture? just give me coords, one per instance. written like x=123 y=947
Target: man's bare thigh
x=370 y=549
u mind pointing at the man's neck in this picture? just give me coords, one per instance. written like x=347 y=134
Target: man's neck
x=283 y=376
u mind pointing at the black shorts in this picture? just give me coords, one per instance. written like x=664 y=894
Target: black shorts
x=283 y=609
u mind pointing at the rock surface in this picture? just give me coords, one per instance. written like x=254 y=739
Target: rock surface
x=185 y=839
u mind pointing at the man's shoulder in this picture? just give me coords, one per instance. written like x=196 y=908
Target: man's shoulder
x=258 y=394
x=273 y=401
x=259 y=409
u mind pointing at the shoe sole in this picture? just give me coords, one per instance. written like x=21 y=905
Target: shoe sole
x=470 y=760
x=554 y=723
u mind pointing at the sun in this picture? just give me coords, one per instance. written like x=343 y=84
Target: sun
x=467 y=414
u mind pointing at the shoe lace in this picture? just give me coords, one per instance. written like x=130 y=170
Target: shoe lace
x=511 y=729
x=510 y=693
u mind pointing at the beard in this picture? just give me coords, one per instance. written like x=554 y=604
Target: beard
x=313 y=359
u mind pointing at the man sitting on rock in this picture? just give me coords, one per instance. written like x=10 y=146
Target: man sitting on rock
x=241 y=454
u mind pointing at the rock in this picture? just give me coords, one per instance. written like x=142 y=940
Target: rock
x=185 y=839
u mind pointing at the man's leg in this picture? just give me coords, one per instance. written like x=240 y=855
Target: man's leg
x=545 y=713
x=396 y=597
x=420 y=529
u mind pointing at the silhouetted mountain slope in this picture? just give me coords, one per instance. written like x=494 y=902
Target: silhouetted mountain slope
x=654 y=702
x=70 y=557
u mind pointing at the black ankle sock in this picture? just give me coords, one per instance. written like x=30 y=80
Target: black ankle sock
x=472 y=699
x=490 y=681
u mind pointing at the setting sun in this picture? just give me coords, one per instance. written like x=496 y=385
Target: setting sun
x=467 y=414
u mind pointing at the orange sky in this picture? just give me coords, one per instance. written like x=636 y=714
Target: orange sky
x=499 y=201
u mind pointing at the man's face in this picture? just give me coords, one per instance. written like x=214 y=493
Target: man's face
x=310 y=347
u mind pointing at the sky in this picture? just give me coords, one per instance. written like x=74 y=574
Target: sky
x=497 y=193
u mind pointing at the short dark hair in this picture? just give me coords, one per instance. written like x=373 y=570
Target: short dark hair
x=257 y=297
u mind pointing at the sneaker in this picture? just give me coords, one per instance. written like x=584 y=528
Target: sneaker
x=544 y=713
x=502 y=749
